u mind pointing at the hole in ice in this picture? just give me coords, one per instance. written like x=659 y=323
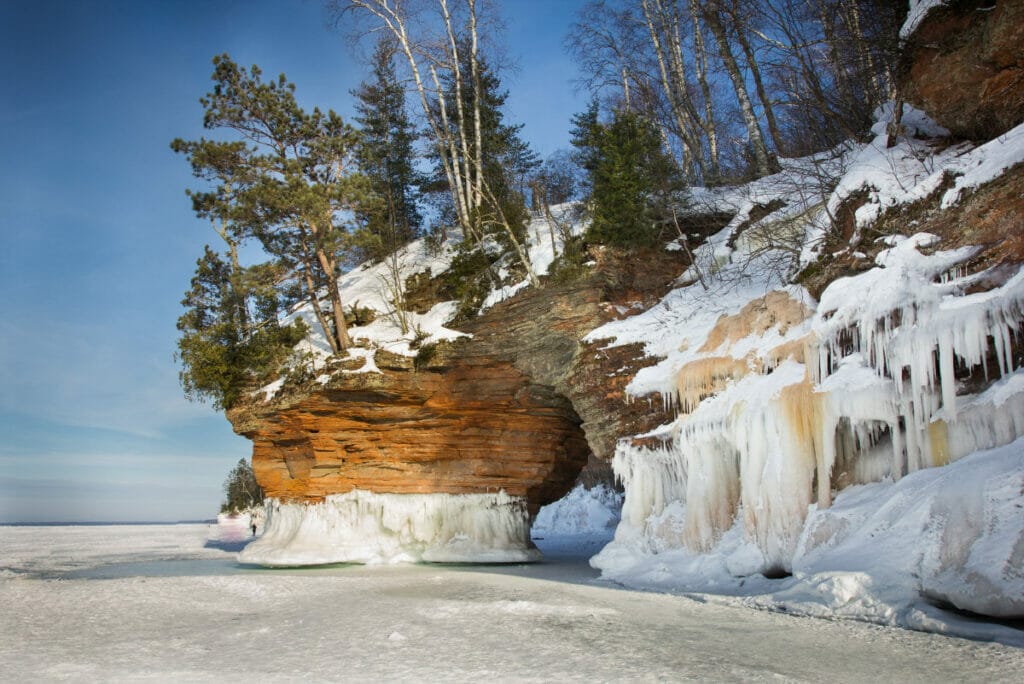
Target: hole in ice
x=776 y=572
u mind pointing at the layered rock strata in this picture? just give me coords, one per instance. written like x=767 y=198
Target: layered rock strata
x=491 y=415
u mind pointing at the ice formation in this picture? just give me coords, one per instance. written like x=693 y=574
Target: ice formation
x=871 y=392
x=781 y=402
x=582 y=511
x=366 y=527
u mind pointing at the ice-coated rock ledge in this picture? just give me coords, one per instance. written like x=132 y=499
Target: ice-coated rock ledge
x=365 y=527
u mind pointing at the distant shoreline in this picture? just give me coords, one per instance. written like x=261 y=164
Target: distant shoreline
x=211 y=521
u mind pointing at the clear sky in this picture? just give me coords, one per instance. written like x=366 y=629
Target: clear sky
x=98 y=242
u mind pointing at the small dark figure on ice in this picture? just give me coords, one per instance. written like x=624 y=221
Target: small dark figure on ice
x=254 y=529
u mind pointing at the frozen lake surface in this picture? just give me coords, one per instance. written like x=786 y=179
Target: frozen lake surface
x=162 y=603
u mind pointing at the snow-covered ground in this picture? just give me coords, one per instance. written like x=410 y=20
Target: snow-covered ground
x=177 y=610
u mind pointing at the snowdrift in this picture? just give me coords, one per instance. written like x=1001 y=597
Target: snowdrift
x=581 y=512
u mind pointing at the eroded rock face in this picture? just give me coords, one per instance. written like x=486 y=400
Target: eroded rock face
x=513 y=408
x=965 y=66
x=461 y=426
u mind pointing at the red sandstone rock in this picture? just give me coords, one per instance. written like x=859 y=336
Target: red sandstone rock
x=965 y=67
x=512 y=408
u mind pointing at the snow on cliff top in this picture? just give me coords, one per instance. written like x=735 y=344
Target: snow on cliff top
x=732 y=269
x=369 y=285
x=919 y=9
x=372 y=285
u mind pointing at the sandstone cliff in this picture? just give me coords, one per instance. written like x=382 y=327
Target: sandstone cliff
x=731 y=392
x=964 y=65
x=519 y=405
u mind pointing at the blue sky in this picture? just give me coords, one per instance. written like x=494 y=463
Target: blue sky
x=97 y=240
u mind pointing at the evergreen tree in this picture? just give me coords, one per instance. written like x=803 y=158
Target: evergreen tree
x=290 y=182
x=633 y=183
x=387 y=158
x=584 y=137
x=222 y=356
x=241 y=489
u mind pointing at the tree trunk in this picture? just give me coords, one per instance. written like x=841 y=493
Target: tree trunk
x=675 y=92
x=329 y=267
x=866 y=60
x=755 y=72
x=474 y=65
x=839 y=73
x=625 y=90
x=762 y=159
x=241 y=300
x=314 y=301
x=460 y=110
x=452 y=168
x=700 y=59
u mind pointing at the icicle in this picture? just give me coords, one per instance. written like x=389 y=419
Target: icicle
x=877 y=398
x=947 y=374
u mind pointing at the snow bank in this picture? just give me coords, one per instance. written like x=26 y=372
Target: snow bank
x=231 y=528
x=544 y=242
x=911 y=170
x=373 y=286
x=236 y=528
x=954 y=534
x=365 y=527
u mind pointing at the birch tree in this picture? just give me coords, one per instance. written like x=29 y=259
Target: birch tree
x=763 y=160
x=440 y=41
x=739 y=79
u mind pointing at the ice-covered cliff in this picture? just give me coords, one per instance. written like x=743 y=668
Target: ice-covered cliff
x=851 y=447
x=442 y=444
x=823 y=410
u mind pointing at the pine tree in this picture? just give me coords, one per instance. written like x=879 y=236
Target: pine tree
x=584 y=137
x=241 y=489
x=290 y=182
x=222 y=355
x=633 y=182
x=386 y=156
